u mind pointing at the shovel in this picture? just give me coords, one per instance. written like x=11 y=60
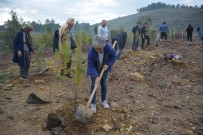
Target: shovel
x=156 y=42
x=114 y=44
x=84 y=113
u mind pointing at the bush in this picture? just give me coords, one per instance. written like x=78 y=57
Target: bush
x=7 y=36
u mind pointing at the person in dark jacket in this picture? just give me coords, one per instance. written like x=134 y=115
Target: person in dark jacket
x=189 y=31
x=144 y=34
x=56 y=41
x=121 y=40
x=22 y=50
x=100 y=55
x=136 y=36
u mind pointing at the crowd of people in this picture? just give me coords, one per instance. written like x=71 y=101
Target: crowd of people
x=101 y=54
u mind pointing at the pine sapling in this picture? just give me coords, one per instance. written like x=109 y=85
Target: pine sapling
x=79 y=67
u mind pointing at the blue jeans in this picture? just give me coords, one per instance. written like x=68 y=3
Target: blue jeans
x=134 y=45
x=119 y=53
x=103 y=83
x=200 y=39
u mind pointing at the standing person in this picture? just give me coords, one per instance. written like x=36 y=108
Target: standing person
x=22 y=50
x=56 y=41
x=163 y=29
x=100 y=55
x=103 y=31
x=136 y=36
x=201 y=30
x=144 y=34
x=189 y=31
x=66 y=39
x=200 y=35
x=121 y=40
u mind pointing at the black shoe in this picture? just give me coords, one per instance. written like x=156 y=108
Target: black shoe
x=69 y=76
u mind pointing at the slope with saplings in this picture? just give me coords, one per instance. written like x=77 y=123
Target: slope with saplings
x=146 y=93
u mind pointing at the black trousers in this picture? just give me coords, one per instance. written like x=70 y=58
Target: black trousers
x=163 y=35
x=189 y=37
x=143 y=40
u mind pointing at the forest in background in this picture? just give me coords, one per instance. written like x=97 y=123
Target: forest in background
x=177 y=18
x=159 y=5
x=152 y=10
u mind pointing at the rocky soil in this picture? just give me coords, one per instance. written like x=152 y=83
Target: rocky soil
x=147 y=95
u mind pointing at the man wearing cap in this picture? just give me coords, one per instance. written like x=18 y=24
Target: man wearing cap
x=66 y=38
x=22 y=50
x=103 y=31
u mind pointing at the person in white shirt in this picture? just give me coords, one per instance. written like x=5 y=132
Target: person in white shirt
x=103 y=31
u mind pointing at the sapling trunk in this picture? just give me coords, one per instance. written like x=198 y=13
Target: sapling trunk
x=51 y=64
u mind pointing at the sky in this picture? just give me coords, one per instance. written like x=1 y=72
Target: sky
x=87 y=11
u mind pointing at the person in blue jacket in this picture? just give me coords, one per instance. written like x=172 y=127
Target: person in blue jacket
x=200 y=35
x=100 y=55
x=163 y=29
x=22 y=50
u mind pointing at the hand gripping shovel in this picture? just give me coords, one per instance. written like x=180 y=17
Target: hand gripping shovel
x=84 y=113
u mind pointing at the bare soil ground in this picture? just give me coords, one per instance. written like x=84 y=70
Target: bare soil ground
x=166 y=101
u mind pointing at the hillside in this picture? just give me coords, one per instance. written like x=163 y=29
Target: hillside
x=175 y=17
x=165 y=99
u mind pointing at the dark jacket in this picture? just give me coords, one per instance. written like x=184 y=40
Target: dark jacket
x=135 y=29
x=163 y=28
x=18 y=44
x=144 y=31
x=121 y=39
x=189 y=29
x=93 y=67
x=56 y=40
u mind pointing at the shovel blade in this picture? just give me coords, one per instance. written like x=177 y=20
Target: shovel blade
x=83 y=114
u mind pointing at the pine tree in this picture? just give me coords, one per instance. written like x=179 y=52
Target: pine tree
x=78 y=73
x=11 y=28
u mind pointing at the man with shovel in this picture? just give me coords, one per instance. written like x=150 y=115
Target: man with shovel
x=100 y=56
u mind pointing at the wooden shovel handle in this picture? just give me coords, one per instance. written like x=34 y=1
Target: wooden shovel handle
x=114 y=44
x=95 y=88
